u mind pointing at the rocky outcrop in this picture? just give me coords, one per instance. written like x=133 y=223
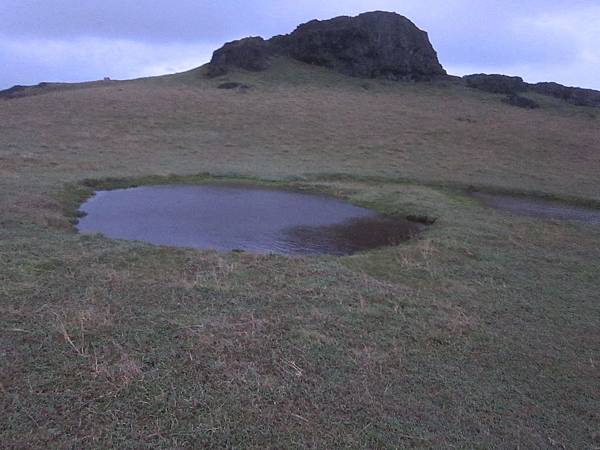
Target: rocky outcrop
x=496 y=84
x=251 y=53
x=577 y=96
x=376 y=44
x=513 y=86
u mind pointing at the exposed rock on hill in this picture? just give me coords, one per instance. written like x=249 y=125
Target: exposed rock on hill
x=251 y=53
x=577 y=96
x=375 y=44
x=512 y=86
x=369 y=45
x=497 y=84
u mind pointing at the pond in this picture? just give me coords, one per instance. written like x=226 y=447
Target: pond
x=234 y=218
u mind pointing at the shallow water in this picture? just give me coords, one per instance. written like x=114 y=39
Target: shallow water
x=240 y=218
x=539 y=208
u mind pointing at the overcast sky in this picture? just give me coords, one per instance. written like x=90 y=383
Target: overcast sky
x=76 y=40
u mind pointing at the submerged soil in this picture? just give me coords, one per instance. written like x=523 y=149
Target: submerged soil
x=229 y=218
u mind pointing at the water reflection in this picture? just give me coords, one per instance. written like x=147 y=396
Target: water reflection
x=351 y=236
x=240 y=218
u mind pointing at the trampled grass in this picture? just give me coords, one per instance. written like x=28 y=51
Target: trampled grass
x=481 y=333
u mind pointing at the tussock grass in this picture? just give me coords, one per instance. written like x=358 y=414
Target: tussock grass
x=482 y=333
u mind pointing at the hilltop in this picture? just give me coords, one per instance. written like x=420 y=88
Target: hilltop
x=376 y=44
x=320 y=121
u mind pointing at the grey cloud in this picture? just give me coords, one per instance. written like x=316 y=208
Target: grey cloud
x=212 y=19
x=153 y=19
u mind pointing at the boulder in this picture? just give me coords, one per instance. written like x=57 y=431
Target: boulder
x=375 y=44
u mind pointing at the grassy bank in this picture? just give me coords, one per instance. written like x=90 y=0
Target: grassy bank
x=482 y=333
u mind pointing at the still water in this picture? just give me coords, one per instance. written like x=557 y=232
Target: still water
x=249 y=219
x=540 y=208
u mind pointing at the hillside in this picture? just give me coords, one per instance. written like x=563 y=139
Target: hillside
x=483 y=332
x=322 y=123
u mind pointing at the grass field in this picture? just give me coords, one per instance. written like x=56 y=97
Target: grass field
x=482 y=333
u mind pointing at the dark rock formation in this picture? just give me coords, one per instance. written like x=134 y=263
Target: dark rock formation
x=369 y=45
x=251 y=53
x=512 y=86
x=577 y=96
x=497 y=84
x=521 y=102
x=376 y=44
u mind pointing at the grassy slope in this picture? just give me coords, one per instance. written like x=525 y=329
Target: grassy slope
x=483 y=333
